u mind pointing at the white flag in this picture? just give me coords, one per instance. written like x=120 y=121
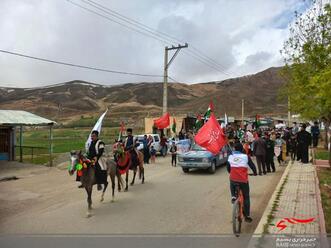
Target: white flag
x=96 y=127
x=225 y=119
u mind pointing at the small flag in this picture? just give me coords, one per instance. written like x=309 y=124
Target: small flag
x=257 y=121
x=162 y=122
x=122 y=129
x=96 y=127
x=173 y=128
x=211 y=136
x=209 y=110
x=198 y=123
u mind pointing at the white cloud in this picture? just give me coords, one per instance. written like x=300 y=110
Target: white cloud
x=233 y=33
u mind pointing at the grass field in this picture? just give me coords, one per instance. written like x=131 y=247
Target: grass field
x=64 y=140
x=322 y=154
x=324 y=176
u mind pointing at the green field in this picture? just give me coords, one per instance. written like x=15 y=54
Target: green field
x=64 y=140
x=322 y=154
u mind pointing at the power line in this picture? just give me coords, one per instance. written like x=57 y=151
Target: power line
x=110 y=19
x=147 y=28
x=79 y=66
x=155 y=34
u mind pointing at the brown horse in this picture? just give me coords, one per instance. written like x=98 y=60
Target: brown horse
x=125 y=163
x=88 y=178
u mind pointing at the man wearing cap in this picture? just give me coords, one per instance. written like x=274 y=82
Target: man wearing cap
x=96 y=153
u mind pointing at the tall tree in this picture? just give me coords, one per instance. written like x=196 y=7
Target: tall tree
x=307 y=54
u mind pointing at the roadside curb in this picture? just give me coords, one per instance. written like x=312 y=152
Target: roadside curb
x=264 y=219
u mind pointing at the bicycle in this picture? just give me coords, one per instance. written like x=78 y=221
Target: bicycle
x=237 y=210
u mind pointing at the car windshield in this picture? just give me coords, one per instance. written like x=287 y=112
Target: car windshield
x=196 y=147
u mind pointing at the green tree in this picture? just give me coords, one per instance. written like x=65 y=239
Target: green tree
x=307 y=54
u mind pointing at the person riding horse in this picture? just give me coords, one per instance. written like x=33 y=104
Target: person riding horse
x=130 y=145
x=96 y=153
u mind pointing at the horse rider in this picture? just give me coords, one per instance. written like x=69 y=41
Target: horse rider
x=96 y=153
x=130 y=145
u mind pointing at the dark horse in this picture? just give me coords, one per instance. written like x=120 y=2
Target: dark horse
x=125 y=163
x=88 y=178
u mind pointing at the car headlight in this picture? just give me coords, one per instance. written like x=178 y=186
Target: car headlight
x=205 y=160
x=180 y=159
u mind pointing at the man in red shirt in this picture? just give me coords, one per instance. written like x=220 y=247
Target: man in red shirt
x=237 y=166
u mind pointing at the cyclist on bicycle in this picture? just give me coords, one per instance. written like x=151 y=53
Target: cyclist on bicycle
x=237 y=166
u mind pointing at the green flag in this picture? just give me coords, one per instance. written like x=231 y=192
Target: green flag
x=209 y=110
x=173 y=128
x=198 y=123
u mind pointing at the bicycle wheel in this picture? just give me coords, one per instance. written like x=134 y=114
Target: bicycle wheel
x=236 y=218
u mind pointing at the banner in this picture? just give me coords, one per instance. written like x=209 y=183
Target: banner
x=162 y=122
x=96 y=127
x=211 y=136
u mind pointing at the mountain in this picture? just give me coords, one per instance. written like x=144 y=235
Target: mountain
x=71 y=100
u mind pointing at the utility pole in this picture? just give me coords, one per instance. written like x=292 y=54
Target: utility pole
x=242 y=113
x=165 y=74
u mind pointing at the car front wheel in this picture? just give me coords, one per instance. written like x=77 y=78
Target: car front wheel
x=186 y=170
x=212 y=168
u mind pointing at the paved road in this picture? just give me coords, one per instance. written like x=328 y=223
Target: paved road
x=170 y=202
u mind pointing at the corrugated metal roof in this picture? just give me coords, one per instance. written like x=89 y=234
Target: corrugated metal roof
x=18 y=117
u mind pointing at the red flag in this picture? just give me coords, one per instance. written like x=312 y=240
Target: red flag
x=163 y=121
x=211 y=136
x=211 y=106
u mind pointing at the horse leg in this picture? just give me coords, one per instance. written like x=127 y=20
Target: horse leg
x=127 y=180
x=134 y=176
x=112 y=178
x=89 y=200
x=142 y=174
x=119 y=178
x=105 y=185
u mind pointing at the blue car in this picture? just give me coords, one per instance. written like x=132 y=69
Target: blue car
x=199 y=158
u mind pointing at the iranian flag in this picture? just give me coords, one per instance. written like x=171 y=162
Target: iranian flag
x=211 y=136
x=257 y=121
x=173 y=128
x=163 y=121
x=198 y=123
x=209 y=110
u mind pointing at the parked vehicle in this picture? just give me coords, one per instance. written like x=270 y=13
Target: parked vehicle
x=199 y=157
x=155 y=143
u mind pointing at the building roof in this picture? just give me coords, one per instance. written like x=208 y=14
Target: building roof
x=18 y=118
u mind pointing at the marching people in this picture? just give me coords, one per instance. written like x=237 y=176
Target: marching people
x=173 y=151
x=259 y=151
x=270 y=152
x=278 y=149
x=304 y=141
x=315 y=132
x=153 y=154
x=293 y=147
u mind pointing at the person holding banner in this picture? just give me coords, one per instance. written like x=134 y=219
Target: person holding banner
x=96 y=153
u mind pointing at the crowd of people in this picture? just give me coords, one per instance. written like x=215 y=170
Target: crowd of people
x=267 y=143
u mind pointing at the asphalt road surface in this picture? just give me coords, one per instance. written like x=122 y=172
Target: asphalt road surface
x=47 y=201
